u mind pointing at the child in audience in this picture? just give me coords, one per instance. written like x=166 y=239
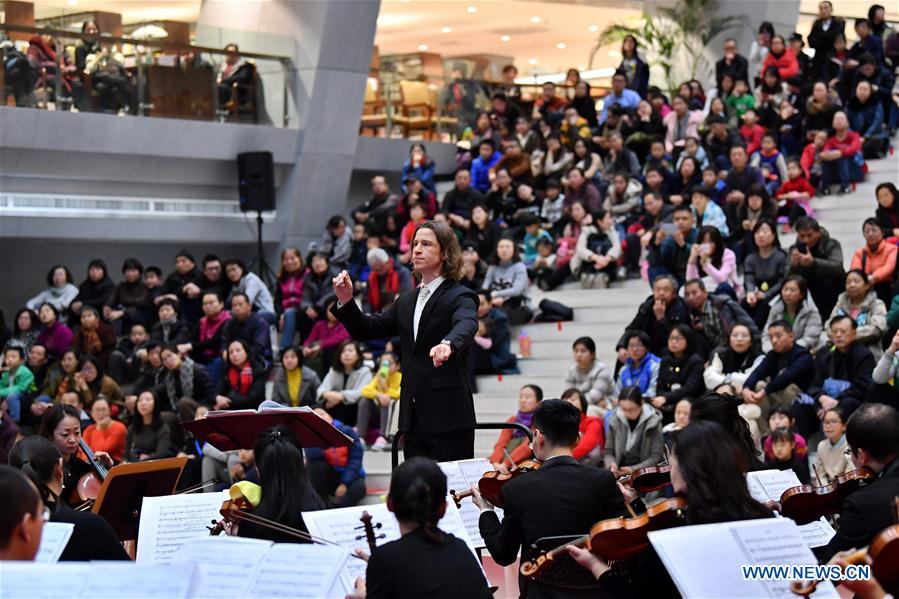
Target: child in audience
x=15 y=382
x=742 y=99
x=336 y=473
x=811 y=158
x=529 y=397
x=381 y=393
x=552 y=210
x=545 y=262
x=658 y=158
x=694 y=150
x=830 y=458
x=782 y=417
x=681 y=419
x=771 y=162
x=532 y=233
x=712 y=183
x=794 y=194
x=784 y=454
x=751 y=131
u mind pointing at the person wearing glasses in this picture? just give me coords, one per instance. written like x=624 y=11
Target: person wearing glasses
x=23 y=517
x=533 y=500
x=92 y=538
x=872 y=435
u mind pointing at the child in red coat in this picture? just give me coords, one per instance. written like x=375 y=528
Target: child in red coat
x=793 y=197
x=751 y=131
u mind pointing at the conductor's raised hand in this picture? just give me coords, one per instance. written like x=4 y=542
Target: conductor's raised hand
x=343 y=287
x=440 y=353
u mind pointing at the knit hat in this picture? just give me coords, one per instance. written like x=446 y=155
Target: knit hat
x=186 y=254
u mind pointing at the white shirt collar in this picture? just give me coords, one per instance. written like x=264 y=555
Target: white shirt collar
x=435 y=284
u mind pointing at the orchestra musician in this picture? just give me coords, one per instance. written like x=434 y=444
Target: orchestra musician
x=436 y=323
x=424 y=561
x=872 y=435
x=563 y=497
x=61 y=424
x=723 y=409
x=22 y=517
x=707 y=468
x=284 y=488
x=92 y=538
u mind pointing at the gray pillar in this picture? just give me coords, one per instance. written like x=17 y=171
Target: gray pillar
x=783 y=14
x=331 y=52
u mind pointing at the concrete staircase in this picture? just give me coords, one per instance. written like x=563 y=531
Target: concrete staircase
x=603 y=314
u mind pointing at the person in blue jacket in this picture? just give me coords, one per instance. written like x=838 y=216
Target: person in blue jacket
x=480 y=167
x=336 y=473
x=420 y=166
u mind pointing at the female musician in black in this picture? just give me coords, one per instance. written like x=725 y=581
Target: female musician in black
x=92 y=538
x=720 y=408
x=425 y=561
x=286 y=491
x=708 y=469
x=61 y=424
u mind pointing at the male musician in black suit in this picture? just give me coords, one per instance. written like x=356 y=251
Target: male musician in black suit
x=436 y=323
x=563 y=497
x=872 y=434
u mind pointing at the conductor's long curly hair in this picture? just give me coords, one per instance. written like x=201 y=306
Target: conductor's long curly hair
x=449 y=245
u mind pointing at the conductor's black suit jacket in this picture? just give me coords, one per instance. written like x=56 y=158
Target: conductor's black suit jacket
x=441 y=396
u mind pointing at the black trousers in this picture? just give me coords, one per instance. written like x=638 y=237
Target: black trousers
x=442 y=447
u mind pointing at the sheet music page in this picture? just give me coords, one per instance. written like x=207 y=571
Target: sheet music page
x=461 y=476
x=698 y=572
x=817 y=533
x=121 y=580
x=54 y=539
x=343 y=526
x=769 y=485
x=295 y=570
x=31 y=580
x=167 y=522
x=225 y=565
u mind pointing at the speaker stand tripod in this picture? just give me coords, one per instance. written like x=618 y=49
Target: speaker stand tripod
x=259 y=262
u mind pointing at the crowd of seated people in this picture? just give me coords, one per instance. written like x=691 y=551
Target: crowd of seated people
x=92 y=75
x=689 y=192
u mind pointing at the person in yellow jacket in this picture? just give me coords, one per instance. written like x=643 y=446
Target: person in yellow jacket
x=381 y=393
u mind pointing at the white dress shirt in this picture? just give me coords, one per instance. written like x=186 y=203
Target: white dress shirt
x=422 y=301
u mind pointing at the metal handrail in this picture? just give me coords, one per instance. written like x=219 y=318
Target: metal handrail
x=482 y=426
x=62 y=33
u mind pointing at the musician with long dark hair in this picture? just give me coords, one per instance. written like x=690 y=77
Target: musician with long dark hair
x=723 y=409
x=284 y=487
x=61 y=424
x=708 y=469
x=425 y=561
x=92 y=538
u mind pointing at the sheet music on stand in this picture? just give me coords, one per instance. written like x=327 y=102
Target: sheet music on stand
x=817 y=533
x=167 y=522
x=343 y=526
x=119 y=580
x=769 y=485
x=240 y=567
x=698 y=572
x=54 y=539
x=461 y=475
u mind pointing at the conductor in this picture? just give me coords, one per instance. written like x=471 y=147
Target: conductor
x=436 y=323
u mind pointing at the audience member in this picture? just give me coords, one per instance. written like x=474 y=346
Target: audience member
x=819 y=259
x=295 y=383
x=341 y=389
x=635 y=434
x=640 y=368
x=680 y=372
x=732 y=365
x=243 y=385
x=860 y=302
x=590 y=376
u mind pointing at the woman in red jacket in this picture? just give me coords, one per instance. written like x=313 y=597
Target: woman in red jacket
x=782 y=57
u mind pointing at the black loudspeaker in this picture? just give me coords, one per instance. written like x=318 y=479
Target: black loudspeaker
x=256 y=181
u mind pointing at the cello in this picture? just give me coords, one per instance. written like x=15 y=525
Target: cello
x=89 y=484
x=491 y=484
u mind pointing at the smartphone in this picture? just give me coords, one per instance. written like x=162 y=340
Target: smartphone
x=801 y=247
x=669 y=228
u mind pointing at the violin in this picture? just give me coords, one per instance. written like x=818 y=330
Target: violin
x=882 y=553
x=232 y=511
x=369 y=535
x=807 y=503
x=648 y=479
x=88 y=486
x=615 y=538
x=491 y=484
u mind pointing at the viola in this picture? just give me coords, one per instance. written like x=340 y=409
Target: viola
x=807 y=503
x=615 y=538
x=369 y=535
x=882 y=554
x=491 y=483
x=89 y=484
x=648 y=479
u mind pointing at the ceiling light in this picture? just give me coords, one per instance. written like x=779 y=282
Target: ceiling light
x=446 y=29
x=472 y=9
x=532 y=61
x=561 y=46
x=505 y=38
x=423 y=48
x=593 y=28
x=535 y=19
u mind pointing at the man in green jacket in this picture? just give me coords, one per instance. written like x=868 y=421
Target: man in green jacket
x=16 y=381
